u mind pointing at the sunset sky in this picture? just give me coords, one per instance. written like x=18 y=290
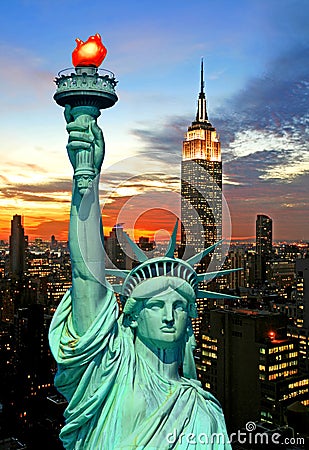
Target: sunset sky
x=256 y=56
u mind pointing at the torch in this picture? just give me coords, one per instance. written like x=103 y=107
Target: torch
x=86 y=91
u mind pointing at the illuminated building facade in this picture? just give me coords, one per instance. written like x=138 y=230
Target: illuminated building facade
x=281 y=383
x=301 y=329
x=201 y=189
x=264 y=227
x=201 y=174
x=116 y=245
x=280 y=274
x=277 y=395
x=35 y=367
x=38 y=265
x=18 y=243
x=245 y=356
x=302 y=284
x=234 y=260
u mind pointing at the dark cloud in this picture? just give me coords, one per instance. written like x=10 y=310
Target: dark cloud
x=27 y=166
x=246 y=170
x=8 y=193
x=276 y=102
x=36 y=192
x=162 y=142
x=113 y=180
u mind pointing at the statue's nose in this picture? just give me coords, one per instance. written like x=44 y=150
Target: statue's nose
x=168 y=314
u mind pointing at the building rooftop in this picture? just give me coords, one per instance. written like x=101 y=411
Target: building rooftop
x=249 y=312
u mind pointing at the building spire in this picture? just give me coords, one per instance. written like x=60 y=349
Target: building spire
x=202 y=77
x=201 y=115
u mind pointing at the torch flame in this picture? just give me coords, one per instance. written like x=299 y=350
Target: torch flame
x=89 y=53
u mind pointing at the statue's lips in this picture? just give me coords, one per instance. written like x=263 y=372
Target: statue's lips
x=168 y=329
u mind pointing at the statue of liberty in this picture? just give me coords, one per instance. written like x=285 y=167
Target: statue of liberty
x=129 y=379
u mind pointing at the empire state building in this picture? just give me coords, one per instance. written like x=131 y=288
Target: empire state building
x=201 y=194
x=201 y=181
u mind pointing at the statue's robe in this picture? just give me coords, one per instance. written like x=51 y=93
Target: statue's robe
x=117 y=401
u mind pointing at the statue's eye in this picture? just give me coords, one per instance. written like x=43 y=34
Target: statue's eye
x=155 y=305
x=180 y=306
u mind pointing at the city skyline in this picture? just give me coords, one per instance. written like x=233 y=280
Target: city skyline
x=257 y=91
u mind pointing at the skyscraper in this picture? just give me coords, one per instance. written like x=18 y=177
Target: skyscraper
x=264 y=227
x=201 y=180
x=248 y=361
x=201 y=190
x=17 y=247
x=300 y=330
x=302 y=283
x=116 y=245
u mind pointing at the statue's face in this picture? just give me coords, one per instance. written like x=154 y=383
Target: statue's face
x=163 y=320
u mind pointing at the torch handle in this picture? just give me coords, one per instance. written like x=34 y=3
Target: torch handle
x=80 y=129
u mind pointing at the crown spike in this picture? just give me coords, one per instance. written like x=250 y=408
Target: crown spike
x=135 y=248
x=117 y=288
x=210 y=294
x=117 y=273
x=219 y=273
x=196 y=258
x=172 y=243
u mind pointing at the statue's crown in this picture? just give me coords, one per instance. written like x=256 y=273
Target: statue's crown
x=167 y=266
x=160 y=267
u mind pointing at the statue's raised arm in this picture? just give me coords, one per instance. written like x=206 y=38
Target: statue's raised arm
x=86 y=234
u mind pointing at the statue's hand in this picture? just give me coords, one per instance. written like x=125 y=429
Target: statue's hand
x=84 y=133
